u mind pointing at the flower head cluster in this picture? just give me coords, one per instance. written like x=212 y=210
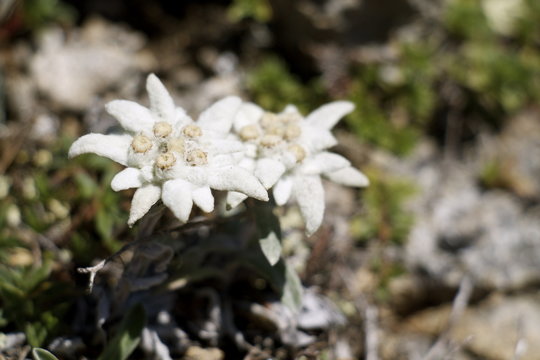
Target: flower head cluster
x=233 y=146
x=286 y=152
x=171 y=157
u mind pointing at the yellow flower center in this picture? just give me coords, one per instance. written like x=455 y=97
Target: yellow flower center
x=249 y=132
x=197 y=157
x=292 y=131
x=270 y=140
x=291 y=117
x=176 y=145
x=298 y=152
x=165 y=161
x=141 y=144
x=192 y=131
x=275 y=129
x=269 y=119
x=162 y=129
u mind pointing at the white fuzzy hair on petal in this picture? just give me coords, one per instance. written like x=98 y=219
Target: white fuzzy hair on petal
x=114 y=147
x=309 y=194
x=143 y=199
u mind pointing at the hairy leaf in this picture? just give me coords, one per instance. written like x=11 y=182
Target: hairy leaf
x=128 y=336
x=42 y=354
x=269 y=232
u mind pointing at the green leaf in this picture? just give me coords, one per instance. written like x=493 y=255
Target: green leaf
x=128 y=336
x=386 y=217
x=36 y=333
x=282 y=277
x=271 y=247
x=3 y=319
x=104 y=224
x=273 y=86
x=260 y=10
x=86 y=185
x=42 y=354
x=269 y=232
x=292 y=289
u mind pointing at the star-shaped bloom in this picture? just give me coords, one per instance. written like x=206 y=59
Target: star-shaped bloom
x=171 y=157
x=287 y=152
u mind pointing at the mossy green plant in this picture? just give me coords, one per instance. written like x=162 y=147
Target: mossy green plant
x=386 y=218
x=32 y=300
x=273 y=86
x=463 y=65
x=38 y=13
x=258 y=10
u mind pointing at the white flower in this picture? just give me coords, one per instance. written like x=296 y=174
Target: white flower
x=287 y=152
x=169 y=156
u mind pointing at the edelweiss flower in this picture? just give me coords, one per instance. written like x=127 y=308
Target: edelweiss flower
x=286 y=151
x=169 y=156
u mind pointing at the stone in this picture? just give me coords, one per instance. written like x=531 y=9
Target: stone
x=494 y=328
x=490 y=330
x=463 y=229
x=482 y=235
x=198 y=353
x=11 y=340
x=510 y=154
x=318 y=312
x=73 y=71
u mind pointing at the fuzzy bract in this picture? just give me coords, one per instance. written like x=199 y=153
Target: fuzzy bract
x=169 y=156
x=287 y=153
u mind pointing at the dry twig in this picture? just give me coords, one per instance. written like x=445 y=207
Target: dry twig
x=370 y=315
x=371 y=330
x=458 y=307
x=521 y=342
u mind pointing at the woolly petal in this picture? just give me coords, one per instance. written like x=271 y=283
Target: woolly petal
x=114 y=147
x=177 y=197
x=282 y=190
x=348 y=176
x=268 y=171
x=181 y=118
x=219 y=117
x=247 y=163
x=327 y=116
x=235 y=198
x=131 y=116
x=323 y=162
x=288 y=159
x=316 y=139
x=143 y=199
x=234 y=178
x=161 y=102
x=147 y=173
x=197 y=175
x=309 y=194
x=127 y=179
x=250 y=150
x=248 y=114
x=225 y=159
x=203 y=198
x=291 y=109
x=217 y=146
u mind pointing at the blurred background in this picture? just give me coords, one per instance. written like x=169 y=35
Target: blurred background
x=438 y=258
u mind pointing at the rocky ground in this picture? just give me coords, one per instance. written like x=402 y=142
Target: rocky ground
x=462 y=283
